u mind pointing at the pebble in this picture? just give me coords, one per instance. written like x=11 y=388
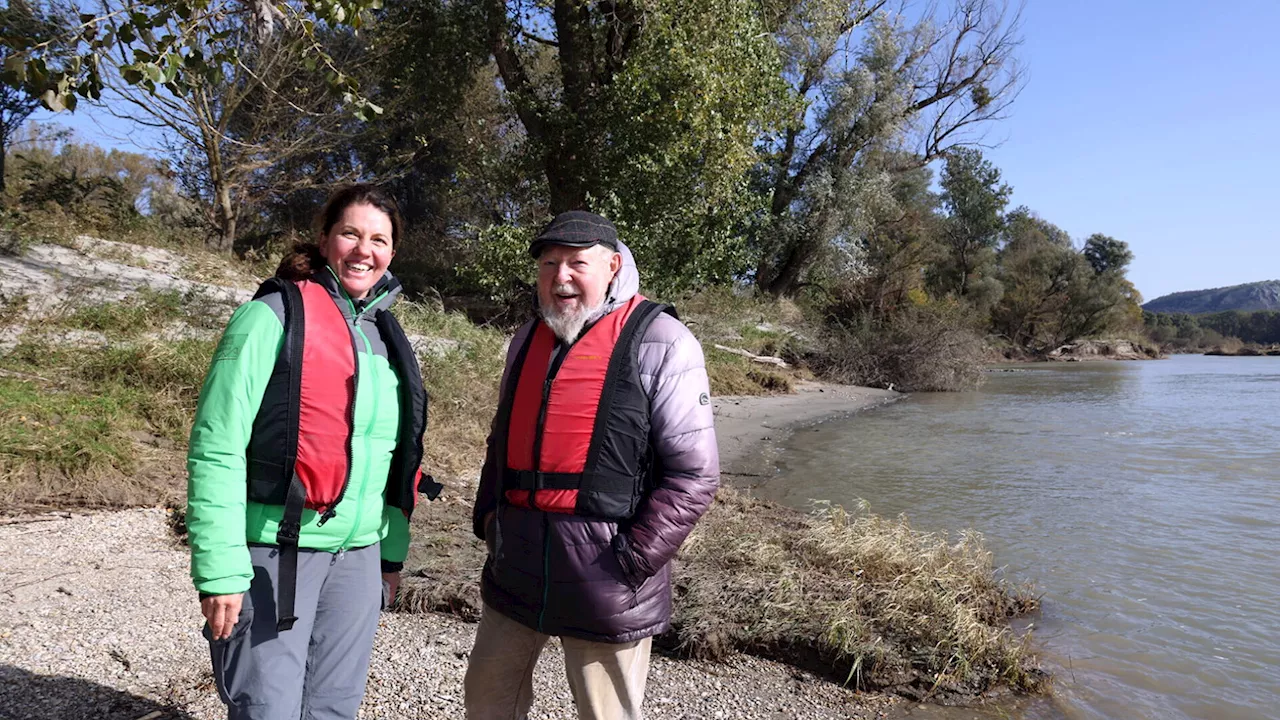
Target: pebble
x=101 y=621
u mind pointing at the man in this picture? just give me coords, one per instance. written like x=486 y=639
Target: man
x=601 y=459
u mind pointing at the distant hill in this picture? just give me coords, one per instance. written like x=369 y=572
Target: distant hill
x=1263 y=295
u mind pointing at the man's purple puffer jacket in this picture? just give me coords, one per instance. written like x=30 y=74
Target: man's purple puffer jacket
x=592 y=579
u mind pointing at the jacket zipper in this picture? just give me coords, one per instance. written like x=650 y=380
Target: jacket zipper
x=546 y=568
x=332 y=510
x=542 y=418
x=537 y=468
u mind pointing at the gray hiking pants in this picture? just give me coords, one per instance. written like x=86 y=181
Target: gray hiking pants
x=317 y=670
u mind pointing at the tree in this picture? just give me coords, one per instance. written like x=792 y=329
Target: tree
x=974 y=198
x=1036 y=266
x=646 y=110
x=1106 y=254
x=17 y=102
x=1099 y=296
x=928 y=87
x=895 y=251
x=67 y=66
x=255 y=108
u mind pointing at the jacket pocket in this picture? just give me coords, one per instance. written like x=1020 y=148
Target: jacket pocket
x=627 y=561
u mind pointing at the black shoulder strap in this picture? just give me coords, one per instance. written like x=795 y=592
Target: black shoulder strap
x=291 y=522
x=623 y=351
x=414 y=405
x=502 y=427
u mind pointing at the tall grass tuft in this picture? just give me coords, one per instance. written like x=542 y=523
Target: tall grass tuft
x=859 y=598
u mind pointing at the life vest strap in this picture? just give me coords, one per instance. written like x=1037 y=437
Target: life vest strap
x=533 y=480
x=597 y=482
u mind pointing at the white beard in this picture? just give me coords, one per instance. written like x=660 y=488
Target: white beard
x=568 y=325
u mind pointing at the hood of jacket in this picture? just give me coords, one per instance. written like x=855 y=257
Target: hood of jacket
x=626 y=284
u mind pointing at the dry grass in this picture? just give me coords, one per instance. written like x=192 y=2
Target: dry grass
x=445 y=558
x=859 y=598
x=96 y=426
x=735 y=375
x=758 y=325
x=462 y=379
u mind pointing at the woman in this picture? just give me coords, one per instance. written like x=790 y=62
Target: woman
x=303 y=471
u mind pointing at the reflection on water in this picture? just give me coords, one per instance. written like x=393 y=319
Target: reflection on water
x=1141 y=498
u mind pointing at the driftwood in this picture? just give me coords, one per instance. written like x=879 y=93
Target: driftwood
x=762 y=359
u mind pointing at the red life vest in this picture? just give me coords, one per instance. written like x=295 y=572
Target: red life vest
x=303 y=426
x=577 y=437
x=299 y=453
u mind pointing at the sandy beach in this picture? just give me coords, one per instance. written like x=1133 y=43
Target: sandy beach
x=749 y=430
x=101 y=620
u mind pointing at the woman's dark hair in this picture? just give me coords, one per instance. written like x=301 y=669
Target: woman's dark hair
x=306 y=258
x=359 y=194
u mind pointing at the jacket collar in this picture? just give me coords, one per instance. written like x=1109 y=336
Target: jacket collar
x=380 y=296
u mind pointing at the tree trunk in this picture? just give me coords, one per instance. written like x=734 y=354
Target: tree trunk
x=785 y=279
x=226 y=237
x=4 y=148
x=224 y=210
x=568 y=191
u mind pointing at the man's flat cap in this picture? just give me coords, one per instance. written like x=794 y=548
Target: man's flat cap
x=576 y=228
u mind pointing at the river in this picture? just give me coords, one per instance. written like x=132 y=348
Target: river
x=1142 y=499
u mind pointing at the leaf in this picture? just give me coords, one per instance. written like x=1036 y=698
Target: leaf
x=173 y=63
x=15 y=68
x=52 y=100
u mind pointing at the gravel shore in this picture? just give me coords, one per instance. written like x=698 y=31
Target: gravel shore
x=100 y=621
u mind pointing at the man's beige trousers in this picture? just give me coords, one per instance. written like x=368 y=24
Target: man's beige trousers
x=607 y=680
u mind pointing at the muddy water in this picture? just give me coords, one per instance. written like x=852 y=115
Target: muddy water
x=1142 y=498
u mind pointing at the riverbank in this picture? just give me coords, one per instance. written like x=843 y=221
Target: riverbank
x=99 y=374
x=862 y=601
x=1082 y=351
x=751 y=429
x=102 y=622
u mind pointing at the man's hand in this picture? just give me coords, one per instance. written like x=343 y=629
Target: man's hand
x=488 y=532
x=392 y=581
x=221 y=612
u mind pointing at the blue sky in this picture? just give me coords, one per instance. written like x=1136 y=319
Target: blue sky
x=1157 y=123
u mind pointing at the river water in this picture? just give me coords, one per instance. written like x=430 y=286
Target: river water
x=1143 y=499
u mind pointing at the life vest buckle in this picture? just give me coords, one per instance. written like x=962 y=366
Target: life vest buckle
x=288 y=532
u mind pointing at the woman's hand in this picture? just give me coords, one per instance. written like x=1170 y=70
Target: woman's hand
x=221 y=612
x=392 y=581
